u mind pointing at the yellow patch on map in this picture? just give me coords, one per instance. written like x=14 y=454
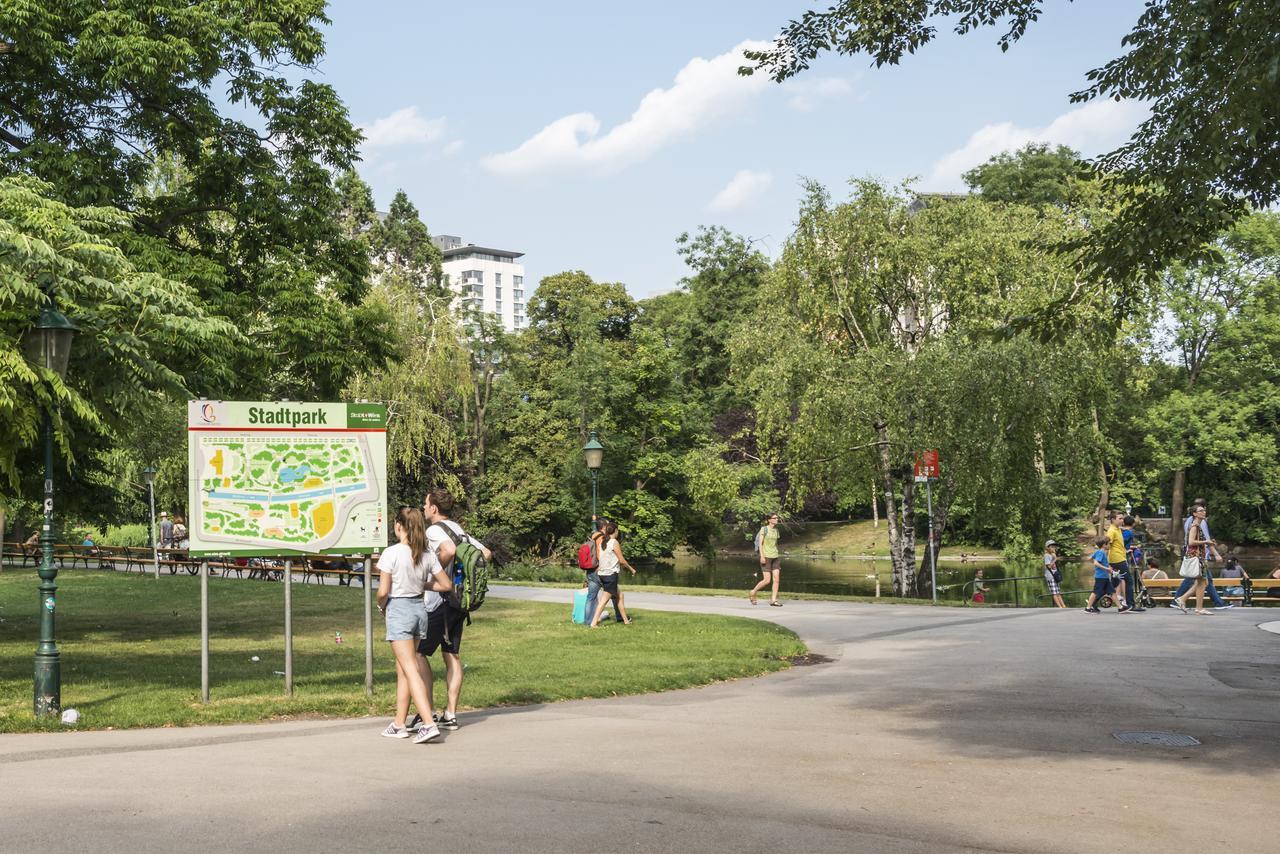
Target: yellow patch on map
x=322 y=518
x=256 y=514
x=272 y=532
x=293 y=510
x=214 y=529
x=226 y=481
x=216 y=462
x=312 y=481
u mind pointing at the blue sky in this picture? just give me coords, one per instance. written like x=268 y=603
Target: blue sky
x=591 y=140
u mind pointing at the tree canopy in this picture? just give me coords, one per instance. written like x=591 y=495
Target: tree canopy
x=1208 y=69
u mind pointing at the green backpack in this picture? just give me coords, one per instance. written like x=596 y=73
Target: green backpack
x=470 y=575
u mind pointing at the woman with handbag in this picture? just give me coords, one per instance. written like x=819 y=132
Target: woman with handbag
x=1192 y=564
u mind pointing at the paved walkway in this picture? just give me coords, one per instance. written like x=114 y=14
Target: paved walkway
x=930 y=730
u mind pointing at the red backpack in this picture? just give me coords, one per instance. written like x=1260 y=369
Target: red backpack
x=588 y=556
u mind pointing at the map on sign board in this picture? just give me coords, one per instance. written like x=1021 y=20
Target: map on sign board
x=285 y=477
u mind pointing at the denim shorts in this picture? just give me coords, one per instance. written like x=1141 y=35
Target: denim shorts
x=406 y=618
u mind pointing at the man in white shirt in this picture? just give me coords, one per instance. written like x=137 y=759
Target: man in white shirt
x=444 y=624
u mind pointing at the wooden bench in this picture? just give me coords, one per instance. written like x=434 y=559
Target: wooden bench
x=1162 y=589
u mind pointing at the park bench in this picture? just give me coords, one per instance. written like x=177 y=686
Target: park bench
x=1162 y=589
x=346 y=569
x=15 y=553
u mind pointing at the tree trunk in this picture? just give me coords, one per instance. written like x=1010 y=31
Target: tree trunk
x=1104 y=491
x=875 y=506
x=1175 y=507
x=907 y=531
x=885 y=469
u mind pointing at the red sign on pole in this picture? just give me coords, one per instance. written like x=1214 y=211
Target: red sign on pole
x=927 y=465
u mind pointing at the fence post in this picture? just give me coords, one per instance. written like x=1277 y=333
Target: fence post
x=288 y=628
x=368 y=627
x=1017 y=603
x=204 y=631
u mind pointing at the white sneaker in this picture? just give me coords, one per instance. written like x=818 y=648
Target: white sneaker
x=1177 y=603
x=426 y=733
x=1224 y=607
x=393 y=731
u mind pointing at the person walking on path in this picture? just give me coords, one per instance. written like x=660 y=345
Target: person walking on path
x=1199 y=519
x=593 y=575
x=444 y=623
x=1118 y=557
x=408 y=570
x=166 y=530
x=1102 y=578
x=1052 y=573
x=770 y=561
x=1198 y=548
x=611 y=558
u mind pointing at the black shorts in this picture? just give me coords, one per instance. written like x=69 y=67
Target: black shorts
x=444 y=631
x=609 y=584
x=1101 y=587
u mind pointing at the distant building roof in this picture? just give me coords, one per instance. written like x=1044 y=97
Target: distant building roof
x=470 y=248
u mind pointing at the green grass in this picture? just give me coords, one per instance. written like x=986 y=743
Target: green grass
x=131 y=652
x=858 y=538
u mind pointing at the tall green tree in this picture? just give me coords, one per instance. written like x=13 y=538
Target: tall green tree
x=95 y=98
x=1035 y=175
x=875 y=340
x=1209 y=69
x=401 y=244
x=140 y=334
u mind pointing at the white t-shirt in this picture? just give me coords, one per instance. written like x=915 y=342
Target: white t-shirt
x=436 y=537
x=406 y=578
x=608 y=558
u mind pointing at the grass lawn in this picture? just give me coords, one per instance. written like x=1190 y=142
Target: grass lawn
x=131 y=652
x=859 y=538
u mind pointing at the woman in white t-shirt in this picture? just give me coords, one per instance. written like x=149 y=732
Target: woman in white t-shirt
x=610 y=559
x=407 y=571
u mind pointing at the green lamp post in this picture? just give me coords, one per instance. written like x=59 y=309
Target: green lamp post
x=48 y=345
x=593 y=452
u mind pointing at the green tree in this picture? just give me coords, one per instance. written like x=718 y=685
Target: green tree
x=876 y=340
x=1209 y=69
x=1205 y=306
x=140 y=333
x=99 y=99
x=1035 y=175
x=401 y=244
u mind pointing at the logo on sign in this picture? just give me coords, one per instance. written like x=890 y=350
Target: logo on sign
x=207 y=415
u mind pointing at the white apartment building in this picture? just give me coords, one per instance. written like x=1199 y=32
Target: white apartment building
x=485 y=279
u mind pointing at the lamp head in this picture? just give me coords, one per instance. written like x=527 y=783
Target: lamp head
x=48 y=343
x=593 y=451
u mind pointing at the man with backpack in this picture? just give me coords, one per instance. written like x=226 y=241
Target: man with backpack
x=466 y=558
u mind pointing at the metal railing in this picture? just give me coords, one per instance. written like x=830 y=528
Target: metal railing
x=967 y=589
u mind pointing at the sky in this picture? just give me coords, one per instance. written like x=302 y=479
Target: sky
x=590 y=140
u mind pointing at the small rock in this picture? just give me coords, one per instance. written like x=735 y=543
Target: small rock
x=71 y=716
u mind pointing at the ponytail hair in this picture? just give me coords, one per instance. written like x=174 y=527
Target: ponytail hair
x=415 y=530
x=610 y=530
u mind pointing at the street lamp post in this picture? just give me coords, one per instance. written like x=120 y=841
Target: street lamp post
x=48 y=345
x=149 y=474
x=593 y=452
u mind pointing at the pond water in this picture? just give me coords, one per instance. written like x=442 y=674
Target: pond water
x=851 y=576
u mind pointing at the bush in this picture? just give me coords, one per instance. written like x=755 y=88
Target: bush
x=134 y=536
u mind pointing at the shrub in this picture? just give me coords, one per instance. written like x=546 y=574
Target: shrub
x=134 y=536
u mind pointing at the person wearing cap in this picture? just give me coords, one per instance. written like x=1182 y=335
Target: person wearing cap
x=166 y=530
x=1052 y=574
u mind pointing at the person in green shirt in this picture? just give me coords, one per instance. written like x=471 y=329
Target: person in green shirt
x=770 y=560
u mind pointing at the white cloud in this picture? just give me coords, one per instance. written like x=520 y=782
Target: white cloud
x=454 y=147
x=703 y=91
x=405 y=126
x=1092 y=129
x=807 y=94
x=743 y=188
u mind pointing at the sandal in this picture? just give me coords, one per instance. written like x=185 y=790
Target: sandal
x=776 y=604
x=753 y=599
x=1207 y=613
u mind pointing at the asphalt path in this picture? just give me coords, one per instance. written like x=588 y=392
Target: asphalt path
x=930 y=729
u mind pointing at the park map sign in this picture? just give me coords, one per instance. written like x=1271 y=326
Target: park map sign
x=280 y=478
